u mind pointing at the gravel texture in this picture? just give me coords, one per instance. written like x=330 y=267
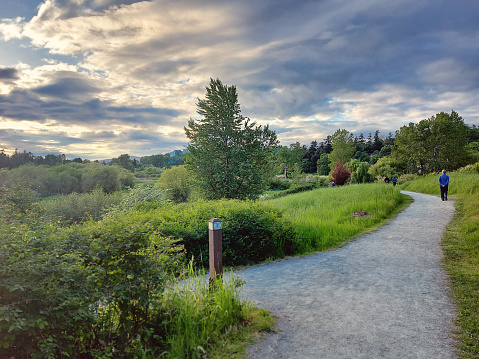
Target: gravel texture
x=383 y=295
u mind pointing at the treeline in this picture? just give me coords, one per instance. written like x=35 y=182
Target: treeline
x=67 y=178
x=442 y=141
x=366 y=149
x=18 y=159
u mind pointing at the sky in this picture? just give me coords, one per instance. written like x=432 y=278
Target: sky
x=100 y=78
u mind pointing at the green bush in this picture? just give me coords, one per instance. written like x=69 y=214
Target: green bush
x=85 y=291
x=77 y=207
x=474 y=168
x=252 y=231
x=279 y=184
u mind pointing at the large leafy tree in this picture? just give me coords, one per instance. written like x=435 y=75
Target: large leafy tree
x=229 y=156
x=343 y=146
x=433 y=144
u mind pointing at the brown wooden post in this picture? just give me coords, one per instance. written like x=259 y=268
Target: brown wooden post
x=215 y=248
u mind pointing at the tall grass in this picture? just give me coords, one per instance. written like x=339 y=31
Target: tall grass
x=461 y=250
x=202 y=313
x=326 y=217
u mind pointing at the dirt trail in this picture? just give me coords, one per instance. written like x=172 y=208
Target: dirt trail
x=384 y=295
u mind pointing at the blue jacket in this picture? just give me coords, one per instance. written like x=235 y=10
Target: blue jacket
x=444 y=179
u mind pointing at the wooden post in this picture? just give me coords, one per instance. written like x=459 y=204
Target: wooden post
x=215 y=248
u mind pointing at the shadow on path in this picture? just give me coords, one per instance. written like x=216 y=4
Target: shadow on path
x=383 y=295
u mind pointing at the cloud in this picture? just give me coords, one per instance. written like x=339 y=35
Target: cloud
x=8 y=73
x=11 y=28
x=133 y=70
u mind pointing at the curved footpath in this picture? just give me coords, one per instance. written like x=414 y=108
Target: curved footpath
x=383 y=295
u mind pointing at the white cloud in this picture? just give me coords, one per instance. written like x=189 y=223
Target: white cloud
x=11 y=28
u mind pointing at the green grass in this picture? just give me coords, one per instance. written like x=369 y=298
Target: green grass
x=461 y=250
x=324 y=217
x=211 y=318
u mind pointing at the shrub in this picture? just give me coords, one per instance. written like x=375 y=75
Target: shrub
x=252 y=231
x=86 y=291
x=474 y=168
x=279 y=184
x=77 y=207
x=340 y=174
x=175 y=181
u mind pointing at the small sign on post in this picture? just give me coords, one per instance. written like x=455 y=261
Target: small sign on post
x=215 y=227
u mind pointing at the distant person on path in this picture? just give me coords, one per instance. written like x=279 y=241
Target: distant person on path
x=386 y=180
x=444 y=184
x=394 y=180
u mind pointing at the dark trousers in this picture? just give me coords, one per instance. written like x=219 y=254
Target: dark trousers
x=444 y=192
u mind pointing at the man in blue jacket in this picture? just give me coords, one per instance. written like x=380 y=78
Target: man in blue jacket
x=444 y=184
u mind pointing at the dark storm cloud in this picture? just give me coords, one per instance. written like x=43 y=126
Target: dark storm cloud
x=27 y=105
x=8 y=73
x=67 y=88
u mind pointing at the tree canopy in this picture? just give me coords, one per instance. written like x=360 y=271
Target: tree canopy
x=229 y=155
x=433 y=144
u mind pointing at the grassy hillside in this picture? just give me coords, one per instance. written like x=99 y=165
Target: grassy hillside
x=326 y=217
x=461 y=250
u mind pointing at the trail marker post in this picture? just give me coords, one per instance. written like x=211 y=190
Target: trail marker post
x=215 y=232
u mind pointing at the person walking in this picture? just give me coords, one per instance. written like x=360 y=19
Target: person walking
x=444 y=184
x=394 y=181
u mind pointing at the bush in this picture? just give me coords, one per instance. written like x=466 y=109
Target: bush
x=78 y=207
x=175 y=181
x=340 y=174
x=252 y=231
x=279 y=184
x=474 y=168
x=86 y=291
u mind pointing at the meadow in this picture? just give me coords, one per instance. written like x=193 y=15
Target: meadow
x=327 y=217
x=461 y=250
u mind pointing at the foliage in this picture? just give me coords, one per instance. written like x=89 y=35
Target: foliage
x=87 y=291
x=433 y=144
x=343 y=147
x=252 y=231
x=340 y=174
x=142 y=197
x=387 y=166
x=202 y=313
x=361 y=174
x=228 y=154
x=461 y=250
x=278 y=184
x=107 y=178
x=289 y=159
x=68 y=178
x=78 y=207
x=175 y=181
x=474 y=168
x=124 y=161
x=323 y=165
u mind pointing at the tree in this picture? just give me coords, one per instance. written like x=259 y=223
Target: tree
x=433 y=144
x=290 y=159
x=343 y=146
x=323 y=165
x=175 y=181
x=229 y=156
x=361 y=174
x=125 y=162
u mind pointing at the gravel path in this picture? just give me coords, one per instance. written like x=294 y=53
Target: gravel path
x=383 y=295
